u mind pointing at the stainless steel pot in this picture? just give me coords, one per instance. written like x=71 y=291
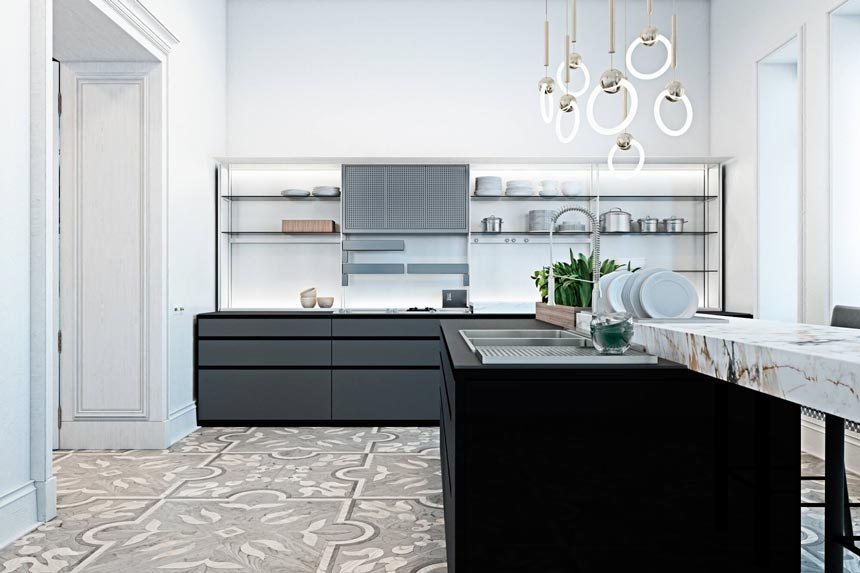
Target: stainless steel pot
x=615 y=221
x=492 y=224
x=674 y=225
x=648 y=225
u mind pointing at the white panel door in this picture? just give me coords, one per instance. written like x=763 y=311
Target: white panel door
x=109 y=253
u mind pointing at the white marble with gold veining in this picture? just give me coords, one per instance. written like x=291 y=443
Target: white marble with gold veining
x=811 y=365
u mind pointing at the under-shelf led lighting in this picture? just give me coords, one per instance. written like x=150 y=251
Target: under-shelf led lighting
x=654 y=75
x=628 y=119
x=659 y=118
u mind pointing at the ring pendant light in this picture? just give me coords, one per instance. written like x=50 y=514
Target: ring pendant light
x=675 y=91
x=567 y=103
x=546 y=86
x=625 y=141
x=573 y=61
x=649 y=37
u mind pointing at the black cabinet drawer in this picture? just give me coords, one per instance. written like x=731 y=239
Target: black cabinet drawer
x=264 y=353
x=271 y=327
x=385 y=394
x=264 y=395
x=389 y=327
x=385 y=352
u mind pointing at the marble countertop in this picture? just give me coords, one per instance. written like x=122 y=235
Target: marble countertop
x=810 y=365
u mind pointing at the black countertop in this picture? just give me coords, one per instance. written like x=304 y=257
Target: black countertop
x=462 y=358
x=442 y=315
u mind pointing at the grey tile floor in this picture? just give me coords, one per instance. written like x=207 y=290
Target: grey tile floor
x=320 y=500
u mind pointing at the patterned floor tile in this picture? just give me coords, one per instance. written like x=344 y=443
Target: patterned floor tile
x=302 y=441
x=400 y=476
x=423 y=441
x=250 y=531
x=205 y=440
x=82 y=477
x=57 y=546
x=314 y=475
x=408 y=536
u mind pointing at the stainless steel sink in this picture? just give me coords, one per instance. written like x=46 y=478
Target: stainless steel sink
x=543 y=347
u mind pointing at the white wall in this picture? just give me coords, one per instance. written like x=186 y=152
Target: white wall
x=196 y=134
x=435 y=77
x=17 y=494
x=846 y=151
x=743 y=32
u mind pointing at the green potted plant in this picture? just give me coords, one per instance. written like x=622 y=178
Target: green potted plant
x=572 y=288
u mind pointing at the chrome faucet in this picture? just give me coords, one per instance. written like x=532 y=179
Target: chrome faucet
x=595 y=246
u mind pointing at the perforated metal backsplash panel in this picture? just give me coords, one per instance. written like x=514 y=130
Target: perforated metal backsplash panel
x=405 y=198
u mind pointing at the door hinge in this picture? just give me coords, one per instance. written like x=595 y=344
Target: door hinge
x=59 y=417
x=59 y=341
x=59 y=104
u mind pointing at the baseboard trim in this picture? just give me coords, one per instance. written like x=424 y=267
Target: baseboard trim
x=113 y=434
x=46 y=498
x=17 y=513
x=181 y=423
x=812 y=441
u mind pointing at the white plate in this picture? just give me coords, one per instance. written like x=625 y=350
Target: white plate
x=519 y=192
x=668 y=295
x=488 y=192
x=613 y=294
x=326 y=192
x=295 y=193
x=630 y=294
x=604 y=283
x=547 y=193
x=520 y=183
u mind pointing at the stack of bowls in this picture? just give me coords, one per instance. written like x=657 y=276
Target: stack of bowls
x=326 y=191
x=548 y=188
x=540 y=220
x=309 y=298
x=519 y=188
x=572 y=188
x=488 y=186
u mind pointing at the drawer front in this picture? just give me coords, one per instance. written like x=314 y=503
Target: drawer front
x=389 y=327
x=385 y=352
x=248 y=327
x=264 y=353
x=264 y=395
x=385 y=394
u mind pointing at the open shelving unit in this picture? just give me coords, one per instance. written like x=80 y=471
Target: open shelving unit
x=261 y=267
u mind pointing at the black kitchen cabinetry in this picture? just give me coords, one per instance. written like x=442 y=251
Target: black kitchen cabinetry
x=298 y=367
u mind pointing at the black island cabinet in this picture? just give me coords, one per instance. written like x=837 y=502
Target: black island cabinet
x=620 y=468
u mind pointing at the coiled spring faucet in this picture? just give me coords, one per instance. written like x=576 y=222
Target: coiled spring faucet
x=595 y=247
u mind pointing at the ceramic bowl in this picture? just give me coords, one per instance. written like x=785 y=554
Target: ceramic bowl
x=325 y=301
x=311 y=292
x=309 y=301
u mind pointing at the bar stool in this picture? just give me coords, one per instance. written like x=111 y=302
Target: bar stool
x=838 y=529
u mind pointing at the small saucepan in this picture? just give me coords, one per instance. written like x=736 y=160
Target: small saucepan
x=674 y=224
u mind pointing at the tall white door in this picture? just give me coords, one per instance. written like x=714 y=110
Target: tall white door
x=111 y=253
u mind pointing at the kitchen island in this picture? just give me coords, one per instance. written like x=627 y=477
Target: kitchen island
x=611 y=468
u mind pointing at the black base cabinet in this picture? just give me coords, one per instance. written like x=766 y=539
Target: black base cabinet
x=590 y=470
x=260 y=367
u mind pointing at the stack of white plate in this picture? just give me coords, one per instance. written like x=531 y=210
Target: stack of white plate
x=548 y=188
x=519 y=188
x=326 y=191
x=295 y=193
x=572 y=227
x=649 y=293
x=540 y=220
x=572 y=188
x=488 y=186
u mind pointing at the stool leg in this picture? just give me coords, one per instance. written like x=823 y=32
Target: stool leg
x=834 y=493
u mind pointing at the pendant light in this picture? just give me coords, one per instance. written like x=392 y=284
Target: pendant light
x=625 y=141
x=567 y=104
x=649 y=37
x=546 y=86
x=675 y=91
x=573 y=60
x=611 y=81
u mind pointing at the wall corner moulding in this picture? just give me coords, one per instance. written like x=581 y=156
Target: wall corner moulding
x=135 y=14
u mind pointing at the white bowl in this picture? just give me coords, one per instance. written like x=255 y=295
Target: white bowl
x=295 y=193
x=549 y=184
x=325 y=301
x=308 y=301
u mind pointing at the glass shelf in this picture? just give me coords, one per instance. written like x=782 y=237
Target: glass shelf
x=602 y=198
x=276 y=198
x=237 y=233
x=586 y=233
